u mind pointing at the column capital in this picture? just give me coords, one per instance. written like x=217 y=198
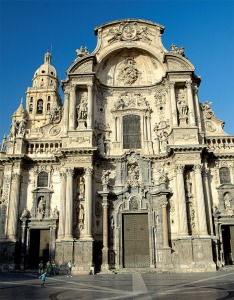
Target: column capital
x=188 y=83
x=63 y=175
x=16 y=176
x=180 y=169
x=197 y=169
x=70 y=172
x=172 y=84
x=73 y=87
x=88 y=171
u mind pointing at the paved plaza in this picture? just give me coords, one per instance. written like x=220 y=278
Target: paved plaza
x=146 y=286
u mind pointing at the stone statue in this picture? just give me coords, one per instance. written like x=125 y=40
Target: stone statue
x=177 y=50
x=3 y=144
x=24 y=214
x=81 y=213
x=55 y=213
x=227 y=200
x=101 y=145
x=21 y=127
x=54 y=113
x=82 y=187
x=82 y=109
x=41 y=206
x=105 y=177
x=181 y=104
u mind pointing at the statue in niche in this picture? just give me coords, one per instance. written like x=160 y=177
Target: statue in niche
x=82 y=187
x=129 y=74
x=188 y=185
x=81 y=213
x=227 y=200
x=41 y=206
x=181 y=104
x=105 y=177
x=101 y=145
x=133 y=175
x=82 y=109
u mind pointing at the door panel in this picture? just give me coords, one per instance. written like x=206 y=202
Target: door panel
x=135 y=241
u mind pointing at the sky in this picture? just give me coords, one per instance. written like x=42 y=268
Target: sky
x=29 y=28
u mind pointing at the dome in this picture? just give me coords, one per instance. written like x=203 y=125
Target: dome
x=46 y=69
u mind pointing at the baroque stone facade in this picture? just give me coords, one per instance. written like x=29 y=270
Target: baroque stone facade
x=131 y=171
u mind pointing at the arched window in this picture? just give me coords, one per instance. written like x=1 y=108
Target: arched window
x=224 y=174
x=48 y=106
x=131 y=132
x=42 y=179
x=39 y=106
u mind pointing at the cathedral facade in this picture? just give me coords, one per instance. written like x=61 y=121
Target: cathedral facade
x=130 y=171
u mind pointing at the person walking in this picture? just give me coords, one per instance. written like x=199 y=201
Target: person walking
x=69 y=269
x=43 y=278
x=53 y=268
x=40 y=268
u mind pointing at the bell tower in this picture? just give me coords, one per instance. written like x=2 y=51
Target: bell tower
x=43 y=98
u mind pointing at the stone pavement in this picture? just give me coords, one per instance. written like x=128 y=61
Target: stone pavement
x=142 y=286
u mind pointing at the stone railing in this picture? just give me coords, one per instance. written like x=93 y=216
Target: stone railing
x=43 y=148
x=220 y=142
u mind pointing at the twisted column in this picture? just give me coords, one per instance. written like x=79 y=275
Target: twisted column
x=183 y=228
x=201 y=213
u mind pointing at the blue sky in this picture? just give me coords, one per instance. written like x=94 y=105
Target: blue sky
x=29 y=28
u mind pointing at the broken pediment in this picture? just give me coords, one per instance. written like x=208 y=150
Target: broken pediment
x=177 y=62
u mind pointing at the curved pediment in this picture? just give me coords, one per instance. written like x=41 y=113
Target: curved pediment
x=177 y=62
x=130 y=67
x=81 y=66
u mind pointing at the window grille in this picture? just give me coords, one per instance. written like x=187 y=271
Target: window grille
x=131 y=132
x=224 y=174
x=42 y=179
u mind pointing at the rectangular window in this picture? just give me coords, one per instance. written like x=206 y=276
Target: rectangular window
x=131 y=132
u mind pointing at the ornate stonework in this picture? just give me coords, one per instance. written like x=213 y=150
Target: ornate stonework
x=119 y=165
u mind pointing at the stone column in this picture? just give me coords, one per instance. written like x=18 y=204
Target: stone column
x=198 y=115
x=173 y=105
x=14 y=207
x=208 y=201
x=88 y=204
x=69 y=205
x=183 y=228
x=52 y=242
x=201 y=209
x=66 y=113
x=190 y=104
x=105 y=250
x=145 y=128
x=72 y=108
x=90 y=107
x=165 y=225
x=62 y=208
x=23 y=243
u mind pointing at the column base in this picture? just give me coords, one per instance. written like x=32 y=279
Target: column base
x=105 y=260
